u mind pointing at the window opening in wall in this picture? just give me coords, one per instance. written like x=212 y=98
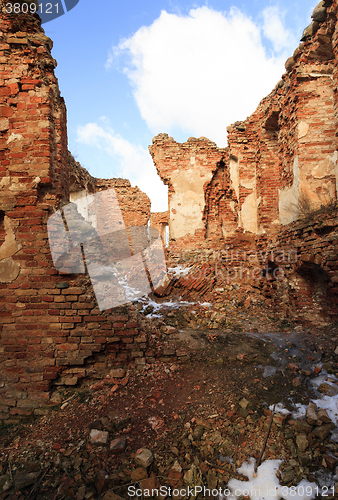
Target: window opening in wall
x=166 y=236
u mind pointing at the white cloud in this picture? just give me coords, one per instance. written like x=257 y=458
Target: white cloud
x=135 y=162
x=200 y=72
x=275 y=31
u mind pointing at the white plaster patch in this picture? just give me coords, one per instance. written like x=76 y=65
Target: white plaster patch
x=232 y=205
x=12 y=184
x=303 y=129
x=234 y=176
x=9 y=270
x=36 y=182
x=9 y=246
x=187 y=202
x=289 y=198
x=248 y=183
x=248 y=215
x=4 y=183
x=326 y=167
x=83 y=201
x=14 y=137
x=192 y=160
x=4 y=124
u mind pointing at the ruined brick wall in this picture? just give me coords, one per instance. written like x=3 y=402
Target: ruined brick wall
x=307 y=120
x=159 y=221
x=187 y=169
x=306 y=286
x=254 y=170
x=34 y=180
x=286 y=152
x=134 y=204
x=282 y=157
x=51 y=329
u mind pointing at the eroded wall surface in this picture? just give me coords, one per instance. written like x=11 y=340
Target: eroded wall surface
x=51 y=328
x=160 y=221
x=52 y=331
x=187 y=169
x=280 y=161
x=307 y=289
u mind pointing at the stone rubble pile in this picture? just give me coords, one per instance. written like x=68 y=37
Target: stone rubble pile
x=193 y=452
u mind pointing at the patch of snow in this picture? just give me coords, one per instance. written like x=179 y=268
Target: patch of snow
x=264 y=484
x=300 y=412
x=268 y=370
x=163 y=305
x=324 y=377
x=326 y=480
x=330 y=404
x=179 y=270
x=279 y=408
x=275 y=356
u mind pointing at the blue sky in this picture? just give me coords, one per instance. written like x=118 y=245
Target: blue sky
x=130 y=70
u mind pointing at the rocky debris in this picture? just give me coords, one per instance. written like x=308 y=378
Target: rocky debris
x=118 y=445
x=302 y=442
x=323 y=431
x=323 y=416
x=159 y=431
x=99 y=437
x=198 y=432
x=328 y=389
x=201 y=456
x=144 y=458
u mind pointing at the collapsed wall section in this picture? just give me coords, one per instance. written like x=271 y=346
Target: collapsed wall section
x=280 y=161
x=306 y=254
x=187 y=169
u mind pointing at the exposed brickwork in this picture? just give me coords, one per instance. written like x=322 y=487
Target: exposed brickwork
x=236 y=198
x=283 y=154
x=160 y=221
x=309 y=271
x=51 y=330
x=187 y=169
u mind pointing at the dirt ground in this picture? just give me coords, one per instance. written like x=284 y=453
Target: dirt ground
x=225 y=388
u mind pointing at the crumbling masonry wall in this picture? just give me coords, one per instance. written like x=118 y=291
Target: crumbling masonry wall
x=308 y=290
x=51 y=329
x=160 y=221
x=133 y=203
x=282 y=157
x=187 y=169
x=280 y=164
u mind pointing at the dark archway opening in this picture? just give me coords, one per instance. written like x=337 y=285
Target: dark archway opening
x=314 y=295
x=270 y=271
